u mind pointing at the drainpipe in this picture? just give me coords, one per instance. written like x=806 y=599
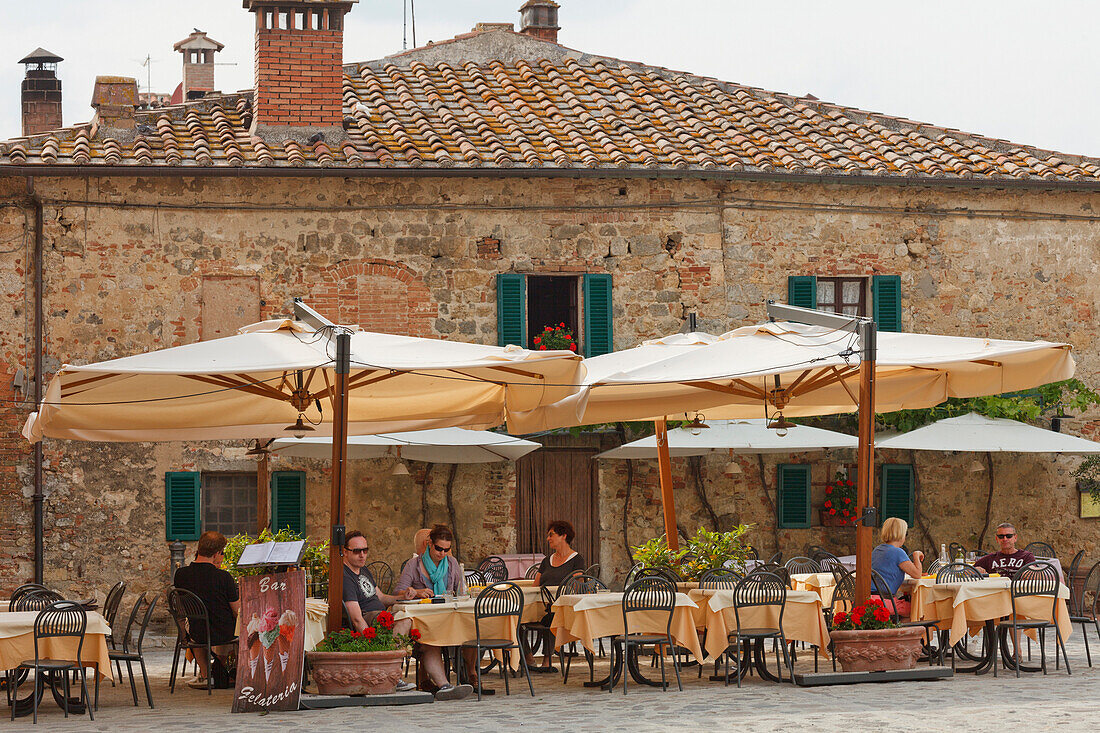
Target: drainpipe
x=38 y=498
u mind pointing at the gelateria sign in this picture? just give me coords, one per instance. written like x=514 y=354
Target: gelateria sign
x=271 y=652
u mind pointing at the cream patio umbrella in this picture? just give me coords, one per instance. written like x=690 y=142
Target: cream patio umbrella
x=796 y=369
x=281 y=372
x=738 y=436
x=444 y=445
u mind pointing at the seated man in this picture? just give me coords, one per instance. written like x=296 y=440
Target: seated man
x=362 y=604
x=1008 y=560
x=218 y=592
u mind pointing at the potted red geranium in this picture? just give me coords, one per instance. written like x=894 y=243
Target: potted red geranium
x=366 y=662
x=555 y=338
x=869 y=640
x=839 y=508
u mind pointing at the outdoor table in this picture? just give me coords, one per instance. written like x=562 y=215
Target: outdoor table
x=592 y=616
x=17 y=645
x=821 y=583
x=848 y=561
x=519 y=563
x=316 y=618
x=960 y=608
x=803 y=620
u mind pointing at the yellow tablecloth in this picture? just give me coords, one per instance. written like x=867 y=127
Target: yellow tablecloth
x=802 y=618
x=821 y=583
x=316 y=621
x=17 y=642
x=960 y=607
x=586 y=618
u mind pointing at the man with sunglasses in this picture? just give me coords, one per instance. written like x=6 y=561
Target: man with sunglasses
x=1007 y=561
x=363 y=602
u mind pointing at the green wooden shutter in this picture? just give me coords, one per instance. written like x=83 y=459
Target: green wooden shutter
x=802 y=291
x=794 y=495
x=512 y=309
x=182 y=515
x=598 y=331
x=886 y=301
x=896 y=492
x=288 y=501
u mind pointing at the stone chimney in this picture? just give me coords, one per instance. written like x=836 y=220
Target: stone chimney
x=114 y=99
x=539 y=18
x=299 y=67
x=198 y=51
x=41 y=92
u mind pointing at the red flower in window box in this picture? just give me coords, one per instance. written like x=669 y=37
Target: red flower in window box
x=537 y=340
x=554 y=338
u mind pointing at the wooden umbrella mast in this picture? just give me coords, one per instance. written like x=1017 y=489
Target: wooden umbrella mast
x=668 y=503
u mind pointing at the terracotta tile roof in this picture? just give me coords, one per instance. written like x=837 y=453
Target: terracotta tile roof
x=497 y=99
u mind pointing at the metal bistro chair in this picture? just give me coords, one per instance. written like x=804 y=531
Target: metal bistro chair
x=382 y=573
x=719 y=579
x=531 y=572
x=579 y=584
x=1035 y=579
x=758 y=589
x=494 y=569
x=828 y=562
x=1040 y=550
x=802 y=565
x=23 y=590
x=500 y=599
x=193 y=632
x=660 y=572
x=844 y=599
x=934 y=567
x=133 y=654
x=958 y=572
x=955 y=550
x=632 y=574
x=593 y=570
x=36 y=600
x=1084 y=611
x=110 y=613
x=60 y=619
x=647 y=593
x=773 y=569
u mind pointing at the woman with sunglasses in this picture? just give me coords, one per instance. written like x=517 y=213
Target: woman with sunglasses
x=1007 y=560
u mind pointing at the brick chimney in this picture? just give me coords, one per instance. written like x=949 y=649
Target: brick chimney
x=299 y=67
x=41 y=92
x=114 y=99
x=539 y=18
x=198 y=51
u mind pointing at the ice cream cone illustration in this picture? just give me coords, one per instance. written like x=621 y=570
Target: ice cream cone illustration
x=253 y=643
x=269 y=634
x=288 y=623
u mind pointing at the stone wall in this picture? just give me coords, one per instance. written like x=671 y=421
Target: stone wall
x=158 y=262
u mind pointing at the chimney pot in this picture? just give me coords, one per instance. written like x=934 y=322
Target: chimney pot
x=539 y=19
x=41 y=92
x=198 y=51
x=114 y=99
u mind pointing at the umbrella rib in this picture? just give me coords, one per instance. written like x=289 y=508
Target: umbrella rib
x=821 y=379
x=265 y=388
x=726 y=389
x=225 y=382
x=518 y=372
x=756 y=391
x=80 y=383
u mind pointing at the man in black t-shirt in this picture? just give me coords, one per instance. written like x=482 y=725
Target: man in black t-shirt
x=218 y=592
x=1008 y=560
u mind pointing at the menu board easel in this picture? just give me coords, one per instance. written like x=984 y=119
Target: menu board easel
x=271 y=651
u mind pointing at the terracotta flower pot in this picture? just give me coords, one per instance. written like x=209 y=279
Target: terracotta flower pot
x=877 y=650
x=356 y=673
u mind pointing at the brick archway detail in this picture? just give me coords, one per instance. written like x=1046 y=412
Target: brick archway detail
x=378 y=295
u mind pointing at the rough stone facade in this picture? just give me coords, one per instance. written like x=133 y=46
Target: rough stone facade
x=134 y=264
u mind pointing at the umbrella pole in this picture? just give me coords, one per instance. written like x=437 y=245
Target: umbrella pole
x=263 y=491
x=668 y=502
x=339 y=474
x=866 y=458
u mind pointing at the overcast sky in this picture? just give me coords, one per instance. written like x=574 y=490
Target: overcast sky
x=1017 y=69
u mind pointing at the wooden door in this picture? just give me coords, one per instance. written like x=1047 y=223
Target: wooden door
x=553 y=484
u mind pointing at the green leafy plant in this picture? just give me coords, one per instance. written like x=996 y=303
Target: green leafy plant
x=840 y=499
x=377 y=637
x=704 y=551
x=1088 y=475
x=553 y=338
x=315 y=559
x=871 y=615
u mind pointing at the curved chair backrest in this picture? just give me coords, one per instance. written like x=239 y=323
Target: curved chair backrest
x=719 y=579
x=802 y=565
x=1040 y=549
x=1039 y=578
x=532 y=572
x=582 y=584
x=958 y=572
x=633 y=574
x=760 y=589
x=841 y=574
x=499 y=599
x=113 y=601
x=955 y=550
x=659 y=572
x=777 y=558
x=1074 y=564
x=128 y=629
x=934 y=566
x=494 y=569
x=593 y=570
x=828 y=562
x=880 y=588
x=150 y=605
x=772 y=569
x=190 y=615
x=23 y=590
x=1088 y=604
x=36 y=600
x=60 y=619
x=649 y=593
x=382 y=573
x=475 y=577
x=844 y=593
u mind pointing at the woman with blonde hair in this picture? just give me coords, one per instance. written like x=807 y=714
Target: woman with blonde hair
x=891 y=562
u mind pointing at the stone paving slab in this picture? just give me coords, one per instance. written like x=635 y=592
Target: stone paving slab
x=964 y=703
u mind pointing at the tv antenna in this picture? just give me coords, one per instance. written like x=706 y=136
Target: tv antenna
x=408 y=13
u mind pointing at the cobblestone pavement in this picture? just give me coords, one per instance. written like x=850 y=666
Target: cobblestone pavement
x=967 y=702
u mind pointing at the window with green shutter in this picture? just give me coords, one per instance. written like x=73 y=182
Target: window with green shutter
x=793 y=507
x=512 y=309
x=598 y=332
x=182 y=519
x=896 y=491
x=288 y=501
x=802 y=291
x=886 y=300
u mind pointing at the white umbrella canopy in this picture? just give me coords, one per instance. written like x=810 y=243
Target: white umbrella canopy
x=255 y=383
x=445 y=445
x=734 y=375
x=980 y=434
x=740 y=436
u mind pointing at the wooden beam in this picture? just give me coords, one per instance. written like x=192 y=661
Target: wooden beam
x=263 y=492
x=865 y=478
x=668 y=500
x=339 y=478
